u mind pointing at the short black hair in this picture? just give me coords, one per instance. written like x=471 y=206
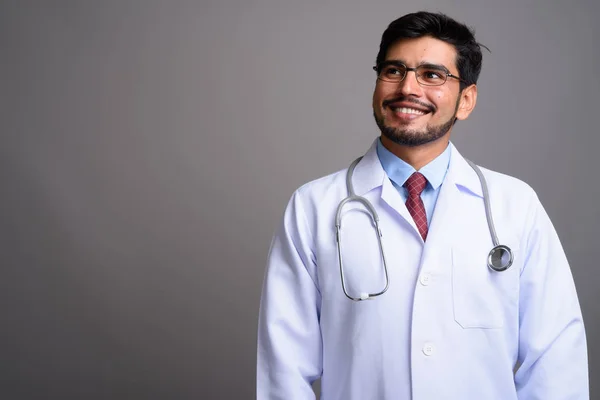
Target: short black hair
x=442 y=27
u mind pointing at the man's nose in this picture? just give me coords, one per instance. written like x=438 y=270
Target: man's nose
x=409 y=85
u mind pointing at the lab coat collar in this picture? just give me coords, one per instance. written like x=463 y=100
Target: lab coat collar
x=369 y=174
x=462 y=175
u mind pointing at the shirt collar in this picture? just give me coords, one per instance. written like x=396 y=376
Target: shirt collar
x=399 y=171
x=369 y=173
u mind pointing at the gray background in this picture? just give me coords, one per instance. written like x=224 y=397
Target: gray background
x=149 y=149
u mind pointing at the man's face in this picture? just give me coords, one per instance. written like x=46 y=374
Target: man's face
x=411 y=114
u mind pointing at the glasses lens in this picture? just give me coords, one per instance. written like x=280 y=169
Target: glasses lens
x=392 y=73
x=431 y=75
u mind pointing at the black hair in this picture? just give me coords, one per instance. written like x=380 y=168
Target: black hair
x=442 y=27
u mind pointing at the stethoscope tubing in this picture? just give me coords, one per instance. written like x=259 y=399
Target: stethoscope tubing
x=496 y=258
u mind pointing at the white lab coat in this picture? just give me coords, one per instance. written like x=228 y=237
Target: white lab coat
x=448 y=327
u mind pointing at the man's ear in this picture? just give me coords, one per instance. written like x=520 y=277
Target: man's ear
x=468 y=99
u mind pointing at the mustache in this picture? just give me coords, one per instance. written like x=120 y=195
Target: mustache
x=405 y=99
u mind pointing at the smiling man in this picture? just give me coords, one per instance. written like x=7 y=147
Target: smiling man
x=420 y=112
x=415 y=274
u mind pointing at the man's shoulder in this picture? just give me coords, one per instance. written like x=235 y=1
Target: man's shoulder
x=506 y=181
x=512 y=192
x=506 y=186
x=320 y=194
x=318 y=187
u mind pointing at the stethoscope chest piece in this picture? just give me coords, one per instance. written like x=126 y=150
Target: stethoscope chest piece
x=500 y=258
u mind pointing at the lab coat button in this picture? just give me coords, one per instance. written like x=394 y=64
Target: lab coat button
x=425 y=279
x=428 y=349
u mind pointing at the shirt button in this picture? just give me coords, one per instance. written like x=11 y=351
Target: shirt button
x=428 y=349
x=425 y=279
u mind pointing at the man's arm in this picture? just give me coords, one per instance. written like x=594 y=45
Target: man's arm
x=289 y=336
x=552 y=343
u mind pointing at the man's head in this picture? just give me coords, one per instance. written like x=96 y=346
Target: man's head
x=428 y=65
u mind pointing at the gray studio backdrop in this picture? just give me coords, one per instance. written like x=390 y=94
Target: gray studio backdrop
x=150 y=147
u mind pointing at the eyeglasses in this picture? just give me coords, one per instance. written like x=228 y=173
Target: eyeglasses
x=427 y=74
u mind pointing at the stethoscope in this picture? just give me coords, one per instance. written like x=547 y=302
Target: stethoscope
x=500 y=258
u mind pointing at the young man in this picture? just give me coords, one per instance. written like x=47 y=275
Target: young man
x=396 y=295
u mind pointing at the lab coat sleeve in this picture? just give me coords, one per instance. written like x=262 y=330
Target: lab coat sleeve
x=289 y=336
x=552 y=342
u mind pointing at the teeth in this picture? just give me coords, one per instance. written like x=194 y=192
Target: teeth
x=406 y=110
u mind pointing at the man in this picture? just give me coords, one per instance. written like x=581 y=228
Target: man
x=429 y=319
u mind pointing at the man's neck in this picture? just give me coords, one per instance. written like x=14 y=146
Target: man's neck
x=417 y=156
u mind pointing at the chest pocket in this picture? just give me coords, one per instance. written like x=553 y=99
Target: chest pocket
x=484 y=298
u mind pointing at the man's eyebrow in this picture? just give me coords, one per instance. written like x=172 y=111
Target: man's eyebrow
x=427 y=64
x=432 y=65
x=393 y=62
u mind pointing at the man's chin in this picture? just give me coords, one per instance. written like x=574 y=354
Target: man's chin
x=409 y=138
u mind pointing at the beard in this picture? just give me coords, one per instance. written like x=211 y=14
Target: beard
x=413 y=137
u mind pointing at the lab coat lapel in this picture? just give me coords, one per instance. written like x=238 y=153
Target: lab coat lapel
x=446 y=221
x=444 y=215
x=390 y=195
x=369 y=174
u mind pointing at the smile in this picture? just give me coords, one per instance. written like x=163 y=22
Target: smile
x=406 y=110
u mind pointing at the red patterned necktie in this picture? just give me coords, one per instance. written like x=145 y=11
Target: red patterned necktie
x=415 y=185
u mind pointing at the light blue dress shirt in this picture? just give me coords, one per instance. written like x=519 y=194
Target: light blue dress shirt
x=399 y=171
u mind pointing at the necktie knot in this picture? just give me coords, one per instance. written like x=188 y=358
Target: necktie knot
x=415 y=184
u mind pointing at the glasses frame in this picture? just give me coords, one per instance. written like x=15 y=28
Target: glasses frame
x=378 y=68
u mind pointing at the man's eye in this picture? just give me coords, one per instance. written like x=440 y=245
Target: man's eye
x=432 y=74
x=392 y=71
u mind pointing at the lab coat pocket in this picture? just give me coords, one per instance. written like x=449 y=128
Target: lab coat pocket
x=483 y=298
